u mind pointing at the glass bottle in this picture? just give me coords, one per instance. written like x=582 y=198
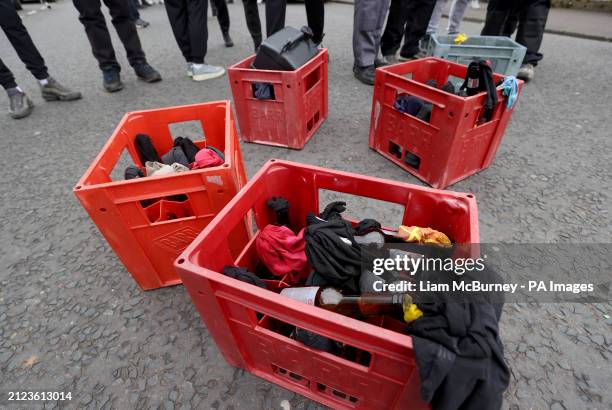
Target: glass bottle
x=367 y=305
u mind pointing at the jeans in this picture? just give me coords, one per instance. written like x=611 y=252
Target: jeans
x=368 y=21
x=456 y=13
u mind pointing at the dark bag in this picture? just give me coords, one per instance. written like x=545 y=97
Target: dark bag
x=286 y=50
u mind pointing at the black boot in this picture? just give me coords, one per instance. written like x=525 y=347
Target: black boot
x=366 y=74
x=228 y=40
x=111 y=80
x=147 y=73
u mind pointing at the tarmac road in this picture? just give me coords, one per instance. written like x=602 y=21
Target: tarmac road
x=73 y=320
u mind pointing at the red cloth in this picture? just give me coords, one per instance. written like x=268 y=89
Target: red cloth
x=282 y=252
x=205 y=158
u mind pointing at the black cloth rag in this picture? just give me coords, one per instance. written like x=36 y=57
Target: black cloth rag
x=366 y=226
x=333 y=210
x=243 y=275
x=176 y=154
x=189 y=148
x=263 y=91
x=317 y=341
x=449 y=87
x=281 y=206
x=459 y=354
x=146 y=149
x=333 y=253
x=408 y=104
x=133 y=172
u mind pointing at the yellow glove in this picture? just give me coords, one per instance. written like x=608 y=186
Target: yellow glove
x=416 y=234
x=461 y=38
x=412 y=313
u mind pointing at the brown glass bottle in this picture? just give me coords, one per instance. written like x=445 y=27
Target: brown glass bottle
x=331 y=299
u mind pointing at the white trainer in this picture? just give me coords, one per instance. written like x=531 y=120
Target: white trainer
x=202 y=72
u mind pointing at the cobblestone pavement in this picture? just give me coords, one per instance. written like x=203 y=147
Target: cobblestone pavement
x=72 y=319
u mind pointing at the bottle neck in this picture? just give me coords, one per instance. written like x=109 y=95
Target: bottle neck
x=376 y=299
x=374 y=305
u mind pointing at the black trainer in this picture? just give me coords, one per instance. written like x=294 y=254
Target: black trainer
x=365 y=74
x=111 y=80
x=228 y=40
x=381 y=62
x=147 y=73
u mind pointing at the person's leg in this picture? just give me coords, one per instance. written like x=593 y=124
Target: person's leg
x=498 y=12
x=222 y=14
x=177 y=15
x=457 y=11
x=511 y=23
x=368 y=19
x=99 y=38
x=21 y=41
x=7 y=80
x=197 y=27
x=391 y=39
x=315 y=14
x=134 y=13
x=368 y=22
x=531 y=29
x=275 y=16
x=20 y=105
x=419 y=13
x=436 y=15
x=120 y=16
x=251 y=14
x=224 y=21
x=28 y=53
x=213 y=9
x=381 y=17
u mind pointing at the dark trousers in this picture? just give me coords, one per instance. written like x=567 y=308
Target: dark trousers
x=22 y=43
x=408 y=19
x=190 y=28
x=315 y=15
x=90 y=15
x=275 y=17
x=503 y=17
x=251 y=14
x=222 y=14
x=134 y=13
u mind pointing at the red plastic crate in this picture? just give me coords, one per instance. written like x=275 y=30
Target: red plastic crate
x=247 y=322
x=299 y=107
x=452 y=146
x=149 y=221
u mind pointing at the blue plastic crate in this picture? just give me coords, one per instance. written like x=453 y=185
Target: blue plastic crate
x=505 y=54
